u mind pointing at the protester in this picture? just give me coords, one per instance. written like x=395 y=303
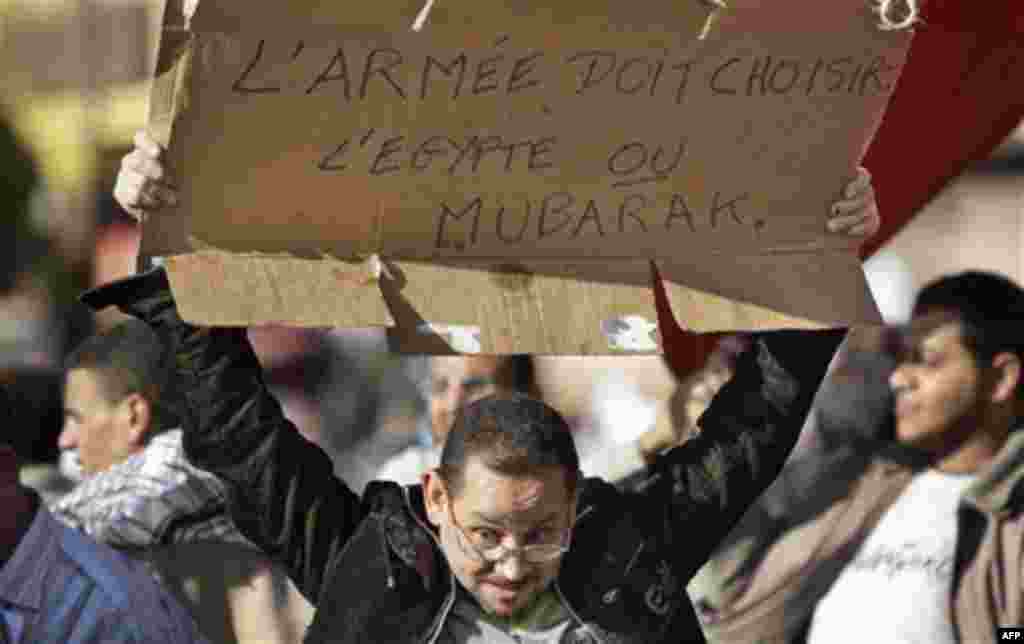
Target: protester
x=57 y=585
x=433 y=562
x=454 y=382
x=141 y=495
x=920 y=541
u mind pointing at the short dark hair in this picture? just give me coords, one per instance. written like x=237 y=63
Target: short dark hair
x=518 y=372
x=989 y=307
x=130 y=358
x=512 y=434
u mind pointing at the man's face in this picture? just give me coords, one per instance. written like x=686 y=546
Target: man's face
x=939 y=389
x=518 y=510
x=104 y=432
x=457 y=381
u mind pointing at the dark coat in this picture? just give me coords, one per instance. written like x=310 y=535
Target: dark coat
x=371 y=565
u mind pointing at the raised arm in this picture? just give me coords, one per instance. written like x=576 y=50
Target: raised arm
x=283 y=495
x=854 y=217
x=705 y=485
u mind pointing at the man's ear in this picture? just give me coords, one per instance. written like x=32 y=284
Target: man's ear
x=434 y=496
x=139 y=419
x=1007 y=377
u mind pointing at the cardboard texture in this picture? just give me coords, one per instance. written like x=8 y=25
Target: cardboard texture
x=518 y=168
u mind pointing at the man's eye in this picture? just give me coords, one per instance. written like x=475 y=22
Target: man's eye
x=486 y=536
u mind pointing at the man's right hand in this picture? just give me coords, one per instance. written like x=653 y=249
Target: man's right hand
x=143 y=186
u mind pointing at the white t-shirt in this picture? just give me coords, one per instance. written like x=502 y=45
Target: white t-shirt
x=897 y=588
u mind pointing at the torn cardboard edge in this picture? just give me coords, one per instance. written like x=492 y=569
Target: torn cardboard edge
x=533 y=307
x=172 y=67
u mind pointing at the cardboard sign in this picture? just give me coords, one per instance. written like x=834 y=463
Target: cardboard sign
x=501 y=179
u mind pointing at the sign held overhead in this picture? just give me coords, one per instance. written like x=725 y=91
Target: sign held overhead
x=516 y=171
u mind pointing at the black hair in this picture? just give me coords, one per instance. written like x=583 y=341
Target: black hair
x=518 y=372
x=512 y=434
x=989 y=307
x=130 y=358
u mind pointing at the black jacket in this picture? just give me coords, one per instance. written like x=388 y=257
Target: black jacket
x=370 y=564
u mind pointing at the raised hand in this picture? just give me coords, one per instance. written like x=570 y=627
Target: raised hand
x=856 y=215
x=143 y=186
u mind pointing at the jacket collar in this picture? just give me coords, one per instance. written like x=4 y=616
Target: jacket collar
x=999 y=484
x=993 y=491
x=895 y=459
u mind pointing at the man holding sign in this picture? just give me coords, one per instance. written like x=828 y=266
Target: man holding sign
x=505 y=541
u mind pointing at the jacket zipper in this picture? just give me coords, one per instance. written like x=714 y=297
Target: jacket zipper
x=565 y=601
x=387 y=555
x=636 y=555
x=575 y=615
x=450 y=601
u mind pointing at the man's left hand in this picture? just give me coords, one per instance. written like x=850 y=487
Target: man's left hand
x=856 y=215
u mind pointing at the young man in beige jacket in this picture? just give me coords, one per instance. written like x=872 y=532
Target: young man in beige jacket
x=921 y=540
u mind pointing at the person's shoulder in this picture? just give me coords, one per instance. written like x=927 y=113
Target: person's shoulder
x=130 y=599
x=120 y=578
